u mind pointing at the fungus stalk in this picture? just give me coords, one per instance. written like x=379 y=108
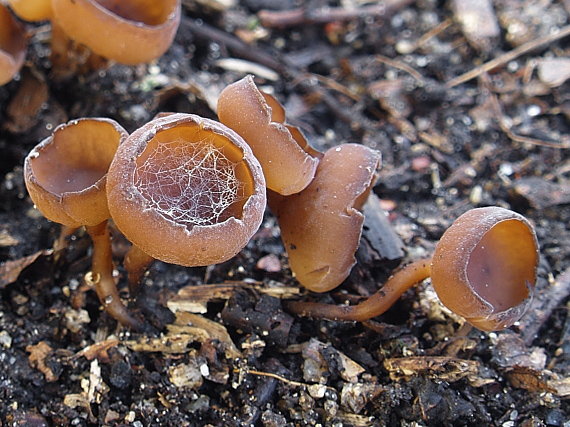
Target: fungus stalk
x=375 y=305
x=102 y=276
x=136 y=263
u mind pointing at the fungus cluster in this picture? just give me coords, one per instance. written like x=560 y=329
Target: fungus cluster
x=182 y=189
x=126 y=31
x=192 y=191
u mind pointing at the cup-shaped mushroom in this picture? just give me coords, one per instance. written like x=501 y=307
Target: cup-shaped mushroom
x=288 y=162
x=65 y=174
x=484 y=267
x=12 y=46
x=127 y=31
x=321 y=225
x=31 y=10
x=186 y=190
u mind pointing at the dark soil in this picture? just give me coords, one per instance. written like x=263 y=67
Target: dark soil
x=382 y=78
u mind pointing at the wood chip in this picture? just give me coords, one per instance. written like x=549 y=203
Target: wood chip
x=478 y=22
x=554 y=71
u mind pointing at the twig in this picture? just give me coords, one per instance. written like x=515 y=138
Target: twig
x=399 y=65
x=503 y=123
x=509 y=56
x=281 y=65
x=303 y=16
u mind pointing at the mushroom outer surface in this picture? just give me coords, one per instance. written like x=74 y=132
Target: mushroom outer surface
x=65 y=174
x=287 y=165
x=31 y=10
x=186 y=190
x=484 y=267
x=12 y=46
x=321 y=225
x=127 y=31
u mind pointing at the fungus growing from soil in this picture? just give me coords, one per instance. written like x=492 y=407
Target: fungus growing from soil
x=321 y=225
x=127 y=31
x=185 y=190
x=483 y=268
x=288 y=162
x=65 y=175
x=12 y=46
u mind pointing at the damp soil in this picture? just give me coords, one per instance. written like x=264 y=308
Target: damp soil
x=464 y=116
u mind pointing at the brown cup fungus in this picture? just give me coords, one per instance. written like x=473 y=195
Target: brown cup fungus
x=127 y=31
x=31 y=10
x=288 y=162
x=321 y=225
x=483 y=268
x=185 y=190
x=12 y=46
x=65 y=175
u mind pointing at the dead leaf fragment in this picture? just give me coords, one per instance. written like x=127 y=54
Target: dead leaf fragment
x=7 y=240
x=320 y=358
x=10 y=270
x=213 y=331
x=443 y=368
x=355 y=396
x=38 y=354
x=188 y=375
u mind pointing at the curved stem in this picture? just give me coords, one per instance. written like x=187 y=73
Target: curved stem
x=102 y=270
x=375 y=305
x=136 y=262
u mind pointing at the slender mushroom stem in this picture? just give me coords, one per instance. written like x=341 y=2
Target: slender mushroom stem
x=136 y=262
x=102 y=270
x=61 y=242
x=375 y=305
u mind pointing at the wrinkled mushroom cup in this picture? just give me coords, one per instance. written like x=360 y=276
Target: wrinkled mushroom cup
x=186 y=190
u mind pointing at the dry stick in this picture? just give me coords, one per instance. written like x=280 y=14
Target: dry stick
x=244 y=50
x=102 y=275
x=375 y=305
x=501 y=119
x=509 y=56
x=302 y=15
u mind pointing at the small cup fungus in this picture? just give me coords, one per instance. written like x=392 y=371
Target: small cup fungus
x=483 y=268
x=288 y=162
x=12 y=46
x=65 y=175
x=185 y=190
x=127 y=31
x=321 y=225
x=31 y=10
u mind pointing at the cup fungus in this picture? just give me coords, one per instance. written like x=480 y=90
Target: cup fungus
x=288 y=162
x=185 y=190
x=321 y=225
x=65 y=175
x=483 y=268
x=12 y=46
x=127 y=31
x=31 y=10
